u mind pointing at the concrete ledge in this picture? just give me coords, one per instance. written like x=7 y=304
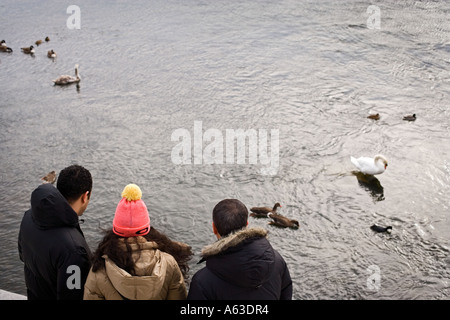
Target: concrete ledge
x=6 y=295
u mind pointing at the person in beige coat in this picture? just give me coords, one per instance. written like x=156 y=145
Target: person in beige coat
x=136 y=262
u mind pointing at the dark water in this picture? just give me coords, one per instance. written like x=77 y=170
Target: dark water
x=312 y=70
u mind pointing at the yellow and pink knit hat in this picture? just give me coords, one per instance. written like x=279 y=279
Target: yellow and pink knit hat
x=131 y=218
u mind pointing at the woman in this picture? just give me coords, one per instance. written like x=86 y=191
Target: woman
x=134 y=261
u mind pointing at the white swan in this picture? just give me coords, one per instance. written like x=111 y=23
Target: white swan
x=62 y=80
x=370 y=166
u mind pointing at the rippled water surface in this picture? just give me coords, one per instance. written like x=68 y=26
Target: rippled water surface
x=314 y=70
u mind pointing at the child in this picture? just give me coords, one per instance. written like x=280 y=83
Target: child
x=134 y=261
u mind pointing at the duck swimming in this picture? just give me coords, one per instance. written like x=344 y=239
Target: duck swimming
x=282 y=221
x=381 y=229
x=51 y=54
x=5 y=49
x=28 y=50
x=410 y=118
x=374 y=116
x=66 y=79
x=370 y=166
x=3 y=43
x=261 y=212
x=38 y=42
x=49 y=177
x=47 y=39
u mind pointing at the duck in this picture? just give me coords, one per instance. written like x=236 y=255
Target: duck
x=282 y=221
x=5 y=49
x=3 y=43
x=261 y=212
x=66 y=79
x=49 y=177
x=47 y=39
x=374 y=116
x=51 y=54
x=410 y=117
x=38 y=42
x=370 y=166
x=28 y=50
x=381 y=229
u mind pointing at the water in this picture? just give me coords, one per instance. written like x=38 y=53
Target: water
x=312 y=70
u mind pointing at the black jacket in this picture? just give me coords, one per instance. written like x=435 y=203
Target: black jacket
x=53 y=248
x=243 y=266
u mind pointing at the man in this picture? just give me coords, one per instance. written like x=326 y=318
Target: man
x=241 y=264
x=51 y=244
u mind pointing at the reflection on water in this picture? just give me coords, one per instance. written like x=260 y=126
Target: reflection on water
x=310 y=69
x=371 y=184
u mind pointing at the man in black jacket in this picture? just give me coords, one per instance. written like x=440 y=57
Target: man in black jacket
x=51 y=244
x=241 y=264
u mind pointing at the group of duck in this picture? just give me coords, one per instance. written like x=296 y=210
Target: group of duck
x=28 y=50
x=376 y=116
x=276 y=218
x=61 y=80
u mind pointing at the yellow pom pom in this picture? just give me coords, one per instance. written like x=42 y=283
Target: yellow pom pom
x=132 y=192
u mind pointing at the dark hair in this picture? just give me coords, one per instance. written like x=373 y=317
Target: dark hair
x=229 y=215
x=112 y=246
x=73 y=181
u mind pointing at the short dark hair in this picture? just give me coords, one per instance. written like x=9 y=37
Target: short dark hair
x=229 y=215
x=73 y=181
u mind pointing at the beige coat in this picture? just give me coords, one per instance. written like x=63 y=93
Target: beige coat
x=158 y=277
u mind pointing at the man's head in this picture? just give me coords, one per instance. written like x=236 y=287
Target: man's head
x=229 y=215
x=75 y=184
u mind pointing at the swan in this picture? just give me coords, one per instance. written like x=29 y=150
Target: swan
x=370 y=166
x=51 y=54
x=28 y=50
x=261 y=212
x=65 y=79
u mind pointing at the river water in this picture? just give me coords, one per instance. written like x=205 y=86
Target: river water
x=305 y=73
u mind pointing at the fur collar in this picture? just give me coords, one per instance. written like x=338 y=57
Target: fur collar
x=232 y=240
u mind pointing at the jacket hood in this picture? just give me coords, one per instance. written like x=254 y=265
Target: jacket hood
x=50 y=209
x=244 y=258
x=150 y=268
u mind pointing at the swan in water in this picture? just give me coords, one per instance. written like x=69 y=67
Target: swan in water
x=65 y=79
x=370 y=166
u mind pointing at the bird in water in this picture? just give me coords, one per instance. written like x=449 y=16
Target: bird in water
x=66 y=79
x=28 y=50
x=282 y=221
x=381 y=229
x=372 y=166
x=261 y=212
x=47 y=39
x=49 y=177
x=38 y=42
x=374 y=116
x=5 y=49
x=410 y=118
x=51 y=54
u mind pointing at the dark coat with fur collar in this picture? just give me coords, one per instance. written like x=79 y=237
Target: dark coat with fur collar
x=244 y=266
